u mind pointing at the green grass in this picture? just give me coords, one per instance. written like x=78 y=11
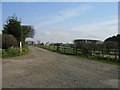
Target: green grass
x=80 y=56
x=14 y=52
x=46 y=47
x=97 y=59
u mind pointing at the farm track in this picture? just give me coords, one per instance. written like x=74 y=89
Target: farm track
x=45 y=69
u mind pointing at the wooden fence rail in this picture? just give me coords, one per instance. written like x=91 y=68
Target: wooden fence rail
x=103 y=54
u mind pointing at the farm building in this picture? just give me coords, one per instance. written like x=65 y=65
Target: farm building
x=30 y=42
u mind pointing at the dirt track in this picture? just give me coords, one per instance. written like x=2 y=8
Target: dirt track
x=45 y=69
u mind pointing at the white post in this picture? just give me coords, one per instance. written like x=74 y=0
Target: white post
x=21 y=46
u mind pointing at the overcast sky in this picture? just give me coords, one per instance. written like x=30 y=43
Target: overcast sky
x=66 y=21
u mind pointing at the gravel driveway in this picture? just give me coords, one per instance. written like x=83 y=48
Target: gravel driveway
x=45 y=69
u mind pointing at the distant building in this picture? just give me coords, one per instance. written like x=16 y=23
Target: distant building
x=30 y=42
x=47 y=44
x=38 y=42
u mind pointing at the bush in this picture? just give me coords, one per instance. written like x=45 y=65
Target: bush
x=8 y=41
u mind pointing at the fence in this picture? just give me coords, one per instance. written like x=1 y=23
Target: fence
x=112 y=55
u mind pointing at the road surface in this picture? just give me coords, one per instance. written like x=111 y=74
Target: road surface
x=45 y=69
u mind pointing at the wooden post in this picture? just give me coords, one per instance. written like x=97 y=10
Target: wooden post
x=115 y=53
x=21 y=46
x=102 y=53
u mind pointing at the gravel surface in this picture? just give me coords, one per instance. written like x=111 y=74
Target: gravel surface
x=45 y=69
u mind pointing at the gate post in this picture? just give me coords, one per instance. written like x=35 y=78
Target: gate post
x=21 y=46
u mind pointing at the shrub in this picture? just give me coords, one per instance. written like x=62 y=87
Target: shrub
x=8 y=41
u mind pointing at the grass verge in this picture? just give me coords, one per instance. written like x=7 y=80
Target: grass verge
x=97 y=59
x=83 y=57
x=14 y=52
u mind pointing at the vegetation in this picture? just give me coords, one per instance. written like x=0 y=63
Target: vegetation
x=0 y=41
x=97 y=59
x=6 y=53
x=113 y=38
x=13 y=26
x=28 y=31
x=8 y=41
x=13 y=34
x=70 y=51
